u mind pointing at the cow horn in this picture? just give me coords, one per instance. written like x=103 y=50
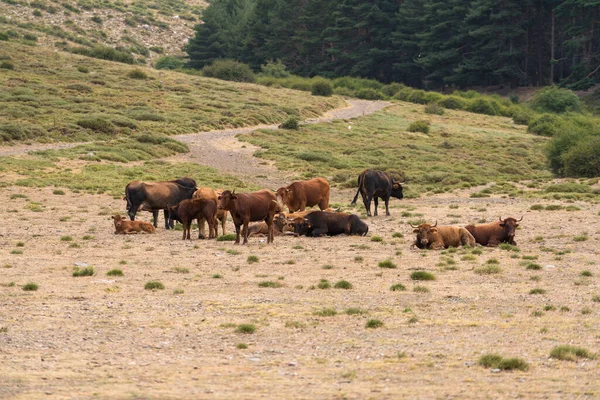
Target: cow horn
x=519 y=220
x=413 y=226
x=435 y=223
x=500 y=218
x=233 y=192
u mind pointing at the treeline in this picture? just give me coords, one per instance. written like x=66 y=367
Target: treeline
x=431 y=44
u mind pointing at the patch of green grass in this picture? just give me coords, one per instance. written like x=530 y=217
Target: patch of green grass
x=269 y=284
x=373 y=324
x=537 y=207
x=87 y=271
x=477 y=252
x=342 y=285
x=421 y=289
x=247 y=329
x=326 y=312
x=508 y=247
x=295 y=324
x=230 y=237
x=324 y=284
x=252 y=259
x=571 y=353
x=87 y=237
x=596 y=299
x=241 y=346
x=537 y=291
x=30 y=287
x=178 y=291
x=529 y=257
x=386 y=264
x=397 y=235
x=180 y=270
x=581 y=238
x=376 y=239
x=327 y=266
x=233 y=252
x=66 y=238
x=422 y=276
x=16 y=251
x=115 y=272
x=397 y=287
x=154 y=285
x=586 y=273
x=59 y=192
x=496 y=361
x=216 y=276
x=355 y=311
x=533 y=266
x=358 y=259
x=489 y=269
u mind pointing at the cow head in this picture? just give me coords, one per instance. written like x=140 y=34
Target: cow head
x=425 y=233
x=226 y=200
x=118 y=219
x=397 y=190
x=509 y=225
x=283 y=195
x=301 y=226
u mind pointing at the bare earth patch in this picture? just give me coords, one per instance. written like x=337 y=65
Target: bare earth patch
x=107 y=337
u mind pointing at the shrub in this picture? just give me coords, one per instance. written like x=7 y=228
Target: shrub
x=226 y=238
x=87 y=271
x=434 y=108
x=452 y=103
x=326 y=312
x=229 y=70
x=30 y=37
x=7 y=65
x=498 y=362
x=397 y=287
x=115 y=272
x=246 y=329
x=419 y=126
x=137 y=74
x=537 y=291
x=545 y=125
x=571 y=353
x=275 y=69
x=252 y=259
x=386 y=264
x=321 y=87
x=290 y=123
x=487 y=270
x=373 y=323
x=342 y=285
x=30 y=287
x=152 y=285
x=583 y=159
x=83 y=69
x=324 y=284
x=97 y=124
x=555 y=100
x=168 y=62
x=3 y=36
x=104 y=53
x=369 y=94
x=269 y=284
x=483 y=106
x=422 y=276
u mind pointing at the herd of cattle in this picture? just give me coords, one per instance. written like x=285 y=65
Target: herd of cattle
x=181 y=200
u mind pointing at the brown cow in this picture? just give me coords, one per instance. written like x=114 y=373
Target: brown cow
x=155 y=196
x=302 y=194
x=441 y=237
x=280 y=227
x=494 y=233
x=247 y=207
x=191 y=209
x=221 y=215
x=122 y=226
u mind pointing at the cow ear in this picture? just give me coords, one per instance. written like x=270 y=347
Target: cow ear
x=234 y=197
x=434 y=230
x=416 y=230
x=502 y=224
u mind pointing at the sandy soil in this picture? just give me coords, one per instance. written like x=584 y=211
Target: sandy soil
x=107 y=337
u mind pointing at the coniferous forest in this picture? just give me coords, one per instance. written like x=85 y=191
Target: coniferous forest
x=432 y=44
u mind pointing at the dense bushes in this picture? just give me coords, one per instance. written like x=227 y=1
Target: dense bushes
x=103 y=52
x=574 y=148
x=321 y=87
x=169 y=62
x=229 y=70
x=556 y=100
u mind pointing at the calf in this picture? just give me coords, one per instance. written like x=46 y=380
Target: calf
x=122 y=226
x=494 y=233
x=320 y=223
x=247 y=207
x=190 y=209
x=221 y=215
x=280 y=227
x=441 y=237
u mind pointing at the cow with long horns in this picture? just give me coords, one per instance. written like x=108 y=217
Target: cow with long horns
x=441 y=237
x=494 y=233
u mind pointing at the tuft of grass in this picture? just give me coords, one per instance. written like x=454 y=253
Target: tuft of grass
x=489 y=269
x=397 y=235
x=596 y=299
x=30 y=287
x=324 y=284
x=571 y=353
x=419 y=126
x=295 y=324
x=115 y=272
x=373 y=324
x=376 y=239
x=533 y=266
x=421 y=289
x=342 y=285
x=154 y=285
x=581 y=238
x=16 y=251
x=247 y=329
x=422 y=276
x=386 y=264
x=477 y=252
x=180 y=270
x=87 y=271
x=66 y=238
x=216 y=276
x=508 y=247
x=58 y=192
x=355 y=311
x=326 y=312
x=397 y=287
x=87 y=237
x=327 y=266
x=252 y=259
x=230 y=237
x=241 y=346
x=270 y=284
x=496 y=361
x=586 y=273
x=537 y=291
x=177 y=291
x=358 y=259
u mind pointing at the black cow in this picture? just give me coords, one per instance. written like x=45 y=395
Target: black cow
x=320 y=223
x=373 y=184
x=155 y=196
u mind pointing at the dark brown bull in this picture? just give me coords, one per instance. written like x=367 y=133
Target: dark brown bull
x=221 y=215
x=373 y=184
x=441 y=237
x=190 y=209
x=156 y=196
x=247 y=207
x=320 y=223
x=494 y=233
x=302 y=194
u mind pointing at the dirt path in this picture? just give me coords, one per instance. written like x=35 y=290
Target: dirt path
x=221 y=150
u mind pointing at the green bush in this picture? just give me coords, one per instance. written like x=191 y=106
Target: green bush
x=556 y=100
x=229 y=70
x=583 y=159
x=30 y=37
x=321 y=87
x=484 y=106
x=520 y=115
x=290 y=123
x=418 y=96
x=369 y=94
x=545 y=125
x=104 y=53
x=434 y=108
x=7 y=65
x=452 y=103
x=275 y=69
x=97 y=124
x=393 y=88
x=21 y=131
x=419 y=126
x=83 y=69
x=137 y=74
x=168 y=62
x=3 y=36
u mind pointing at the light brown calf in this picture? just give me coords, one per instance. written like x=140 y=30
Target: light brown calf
x=123 y=226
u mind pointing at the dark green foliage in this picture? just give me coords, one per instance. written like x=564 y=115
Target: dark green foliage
x=556 y=100
x=168 y=62
x=97 y=124
x=374 y=323
x=275 y=69
x=397 y=287
x=321 y=87
x=290 y=123
x=230 y=237
x=583 y=159
x=115 y=272
x=544 y=125
x=247 y=329
x=434 y=108
x=137 y=74
x=419 y=126
x=342 y=285
x=30 y=287
x=7 y=65
x=154 y=285
x=30 y=37
x=453 y=103
x=369 y=94
x=571 y=353
x=22 y=131
x=87 y=271
x=3 y=36
x=483 y=106
x=496 y=361
x=229 y=70
x=103 y=52
x=422 y=276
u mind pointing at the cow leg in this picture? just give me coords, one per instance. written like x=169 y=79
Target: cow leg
x=223 y=221
x=237 y=234
x=245 y=231
x=155 y=217
x=169 y=223
x=387 y=202
x=319 y=232
x=376 y=204
x=269 y=222
x=212 y=227
x=367 y=201
x=201 y=228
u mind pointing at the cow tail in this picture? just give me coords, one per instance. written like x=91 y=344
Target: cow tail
x=360 y=179
x=127 y=198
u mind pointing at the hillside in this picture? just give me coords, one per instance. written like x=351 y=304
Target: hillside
x=147 y=29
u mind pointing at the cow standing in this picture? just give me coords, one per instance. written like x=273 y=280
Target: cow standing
x=494 y=233
x=320 y=223
x=441 y=237
x=190 y=209
x=221 y=215
x=247 y=207
x=302 y=194
x=373 y=184
x=156 y=196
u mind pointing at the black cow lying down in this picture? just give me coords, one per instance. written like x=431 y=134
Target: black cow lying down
x=320 y=223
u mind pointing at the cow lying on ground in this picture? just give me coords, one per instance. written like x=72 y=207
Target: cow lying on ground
x=122 y=226
x=441 y=237
x=191 y=209
x=221 y=215
x=373 y=184
x=280 y=227
x=494 y=233
x=320 y=223
x=155 y=196
x=247 y=207
x=302 y=194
